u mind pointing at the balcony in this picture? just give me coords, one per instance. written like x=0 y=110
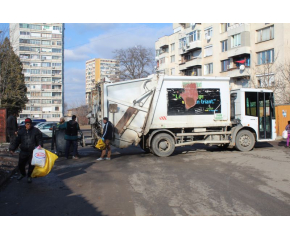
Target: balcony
x=193 y=62
x=189 y=47
x=237 y=72
x=239 y=51
x=238 y=28
x=182 y=66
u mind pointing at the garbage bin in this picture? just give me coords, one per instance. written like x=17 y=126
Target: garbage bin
x=59 y=142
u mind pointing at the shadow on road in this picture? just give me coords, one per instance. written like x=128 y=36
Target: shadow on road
x=47 y=196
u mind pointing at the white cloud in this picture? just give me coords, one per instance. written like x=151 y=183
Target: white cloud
x=103 y=45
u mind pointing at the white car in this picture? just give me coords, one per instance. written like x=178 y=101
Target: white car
x=46 y=129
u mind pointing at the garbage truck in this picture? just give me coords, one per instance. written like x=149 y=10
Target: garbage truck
x=161 y=112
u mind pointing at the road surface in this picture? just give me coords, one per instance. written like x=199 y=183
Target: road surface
x=194 y=181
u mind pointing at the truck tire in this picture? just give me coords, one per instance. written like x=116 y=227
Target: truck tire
x=245 y=141
x=163 y=145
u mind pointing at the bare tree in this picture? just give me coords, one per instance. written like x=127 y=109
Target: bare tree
x=81 y=110
x=269 y=76
x=135 y=62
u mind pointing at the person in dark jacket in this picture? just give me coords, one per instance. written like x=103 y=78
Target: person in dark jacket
x=71 y=136
x=28 y=138
x=107 y=137
x=12 y=127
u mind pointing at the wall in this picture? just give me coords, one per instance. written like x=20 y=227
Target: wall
x=3 y=119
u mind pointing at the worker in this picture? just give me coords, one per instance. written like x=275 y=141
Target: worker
x=71 y=136
x=107 y=137
x=61 y=121
x=28 y=138
x=12 y=127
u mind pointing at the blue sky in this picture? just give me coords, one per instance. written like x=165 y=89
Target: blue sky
x=84 y=41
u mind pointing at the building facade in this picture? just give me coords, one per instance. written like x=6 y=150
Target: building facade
x=236 y=50
x=40 y=47
x=97 y=69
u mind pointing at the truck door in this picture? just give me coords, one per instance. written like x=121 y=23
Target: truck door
x=264 y=114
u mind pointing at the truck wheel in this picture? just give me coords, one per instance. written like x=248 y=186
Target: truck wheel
x=163 y=145
x=245 y=141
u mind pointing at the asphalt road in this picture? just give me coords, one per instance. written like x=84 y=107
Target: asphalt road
x=194 y=181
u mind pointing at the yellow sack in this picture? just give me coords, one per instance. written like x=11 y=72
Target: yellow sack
x=100 y=144
x=49 y=162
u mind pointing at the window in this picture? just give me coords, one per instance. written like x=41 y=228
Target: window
x=224 y=27
x=26 y=79
x=56 y=87
x=56 y=28
x=35 y=109
x=265 y=34
x=56 y=50
x=182 y=42
x=46 y=101
x=251 y=103
x=29 y=41
x=46 y=94
x=45 y=116
x=59 y=72
x=35 y=34
x=46 y=64
x=24 y=33
x=58 y=43
x=30 y=26
x=46 y=49
x=35 y=94
x=24 y=56
x=35 y=79
x=224 y=45
x=265 y=57
x=56 y=57
x=34 y=71
x=56 y=101
x=44 y=79
x=22 y=48
x=236 y=40
x=45 y=42
x=208 y=33
x=172 y=70
x=46 y=35
x=56 y=108
x=56 y=64
x=266 y=80
x=45 y=86
x=56 y=36
x=34 y=56
x=208 y=51
x=225 y=65
x=46 y=57
x=56 y=115
x=34 y=64
x=45 y=71
x=172 y=58
x=56 y=94
x=208 y=69
x=172 y=47
x=162 y=60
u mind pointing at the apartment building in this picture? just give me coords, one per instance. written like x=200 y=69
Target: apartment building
x=234 y=50
x=97 y=69
x=40 y=47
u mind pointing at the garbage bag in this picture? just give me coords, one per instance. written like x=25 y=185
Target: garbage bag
x=49 y=162
x=285 y=134
x=38 y=157
x=100 y=144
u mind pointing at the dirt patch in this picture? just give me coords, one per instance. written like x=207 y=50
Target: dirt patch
x=8 y=166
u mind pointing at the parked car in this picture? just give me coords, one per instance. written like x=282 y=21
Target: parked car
x=46 y=129
x=34 y=122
